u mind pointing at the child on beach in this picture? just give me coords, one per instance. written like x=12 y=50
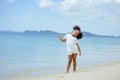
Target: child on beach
x=72 y=47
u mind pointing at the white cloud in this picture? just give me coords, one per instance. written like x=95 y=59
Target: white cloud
x=94 y=9
x=11 y=1
x=67 y=4
x=45 y=3
x=74 y=7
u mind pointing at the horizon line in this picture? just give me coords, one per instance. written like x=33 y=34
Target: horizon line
x=53 y=31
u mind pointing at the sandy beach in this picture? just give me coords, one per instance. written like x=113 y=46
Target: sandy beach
x=109 y=71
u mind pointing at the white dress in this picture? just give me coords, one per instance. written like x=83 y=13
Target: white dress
x=71 y=44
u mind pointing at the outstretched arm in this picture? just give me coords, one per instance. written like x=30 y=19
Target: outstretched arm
x=78 y=49
x=61 y=39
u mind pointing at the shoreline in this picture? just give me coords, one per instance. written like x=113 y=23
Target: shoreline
x=109 y=71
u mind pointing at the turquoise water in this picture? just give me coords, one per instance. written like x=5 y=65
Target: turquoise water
x=44 y=53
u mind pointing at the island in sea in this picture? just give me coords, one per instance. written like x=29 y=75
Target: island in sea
x=52 y=32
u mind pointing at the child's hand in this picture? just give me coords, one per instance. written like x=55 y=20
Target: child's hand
x=80 y=53
x=58 y=35
x=61 y=39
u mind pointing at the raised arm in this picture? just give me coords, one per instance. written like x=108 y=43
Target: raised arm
x=61 y=39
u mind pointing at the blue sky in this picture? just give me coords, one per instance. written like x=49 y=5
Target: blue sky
x=96 y=16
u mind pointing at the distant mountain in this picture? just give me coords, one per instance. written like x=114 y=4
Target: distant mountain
x=48 y=32
x=51 y=32
x=40 y=32
x=89 y=34
x=31 y=32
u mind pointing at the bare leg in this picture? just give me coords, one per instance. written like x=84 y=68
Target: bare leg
x=69 y=62
x=74 y=62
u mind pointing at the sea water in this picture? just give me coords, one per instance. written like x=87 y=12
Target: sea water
x=44 y=53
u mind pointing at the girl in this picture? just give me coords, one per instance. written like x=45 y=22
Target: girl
x=72 y=48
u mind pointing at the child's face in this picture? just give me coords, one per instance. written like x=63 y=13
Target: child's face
x=75 y=32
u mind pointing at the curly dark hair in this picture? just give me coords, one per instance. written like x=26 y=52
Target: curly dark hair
x=80 y=35
x=76 y=28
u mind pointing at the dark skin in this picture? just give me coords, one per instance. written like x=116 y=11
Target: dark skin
x=70 y=59
x=74 y=55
